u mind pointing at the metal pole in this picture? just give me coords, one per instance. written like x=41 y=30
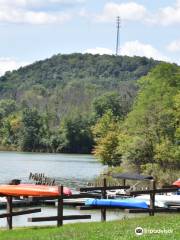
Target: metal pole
x=117 y=40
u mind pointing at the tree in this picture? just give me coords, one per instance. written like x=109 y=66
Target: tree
x=109 y=101
x=106 y=138
x=76 y=135
x=148 y=139
x=7 y=106
x=152 y=126
x=60 y=88
x=31 y=134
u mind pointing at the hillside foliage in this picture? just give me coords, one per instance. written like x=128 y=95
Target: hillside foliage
x=147 y=139
x=51 y=105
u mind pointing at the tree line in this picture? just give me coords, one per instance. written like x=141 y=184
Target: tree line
x=147 y=139
x=52 y=105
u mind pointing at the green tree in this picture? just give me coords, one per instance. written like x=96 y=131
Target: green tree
x=148 y=139
x=106 y=138
x=109 y=101
x=31 y=133
x=152 y=126
x=76 y=135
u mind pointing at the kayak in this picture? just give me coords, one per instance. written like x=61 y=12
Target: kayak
x=32 y=190
x=177 y=183
x=124 y=203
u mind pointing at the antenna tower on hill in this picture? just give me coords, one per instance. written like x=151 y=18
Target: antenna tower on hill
x=118 y=21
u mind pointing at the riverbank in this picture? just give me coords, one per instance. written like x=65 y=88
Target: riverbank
x=166 y=226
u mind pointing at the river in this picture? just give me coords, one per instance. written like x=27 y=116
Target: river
x=71 y=170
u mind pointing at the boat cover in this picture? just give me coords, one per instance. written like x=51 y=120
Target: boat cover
x=177 y=183
x=124 y=203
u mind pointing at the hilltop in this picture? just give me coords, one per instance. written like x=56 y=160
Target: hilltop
x=62 y=89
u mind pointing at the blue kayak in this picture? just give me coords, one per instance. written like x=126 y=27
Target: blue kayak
x=124 y=203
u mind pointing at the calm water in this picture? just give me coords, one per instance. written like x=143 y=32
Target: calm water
x=69 y=169
x=72 y=170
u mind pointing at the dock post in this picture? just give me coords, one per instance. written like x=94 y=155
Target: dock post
x=60 y=207
x=104 y=196
x=9 y=211
x=152 y=198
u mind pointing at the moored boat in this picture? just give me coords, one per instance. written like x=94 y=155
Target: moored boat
x=32 y=190
x=124 y=203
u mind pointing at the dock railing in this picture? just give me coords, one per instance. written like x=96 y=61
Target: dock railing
x=152 y=192
x=59 y=217
x=86 y=192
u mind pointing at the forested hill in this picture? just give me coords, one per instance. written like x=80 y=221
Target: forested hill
x=57 y=100
x=103 y=71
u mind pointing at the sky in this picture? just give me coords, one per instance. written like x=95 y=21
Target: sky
x=33 y=30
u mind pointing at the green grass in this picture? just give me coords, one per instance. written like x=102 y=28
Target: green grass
x=115 y=230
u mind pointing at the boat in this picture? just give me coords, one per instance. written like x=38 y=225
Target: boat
x=32 y=190
x=177 y=183
x=161 y=200
x=124 y=203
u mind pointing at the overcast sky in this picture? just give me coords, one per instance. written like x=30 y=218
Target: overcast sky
x=36 y=29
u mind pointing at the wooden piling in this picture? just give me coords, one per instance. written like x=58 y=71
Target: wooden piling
x=9 y=211
x=152 y=198
x=60 y=207
x=103 y=196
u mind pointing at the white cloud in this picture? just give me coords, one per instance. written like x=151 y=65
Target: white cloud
x=9 y=64
x=136 y=48
x=174 y=46
x=37 y=3
x=169 y=15
x=127 y=11
x=132 y=11
x=99 y=50
x=132 y=48
x=33 y=11
x=31 y=17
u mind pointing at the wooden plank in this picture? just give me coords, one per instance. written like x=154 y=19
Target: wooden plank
x=160 y=190
x=74 y=204
x=55 y=218
x=157 y=210
x=99 y=207
x=83 y=195
x=103 y=196
x=60 y=207
x=88 y=189
x=88 y=207
x=152 y=198
x=74 y=196
x=76 y=217
x=28 y=211
x=9 y=211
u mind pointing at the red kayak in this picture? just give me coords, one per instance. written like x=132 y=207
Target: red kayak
x=32 y=190
x=177 y=183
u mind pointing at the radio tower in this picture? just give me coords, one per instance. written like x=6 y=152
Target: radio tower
x=117 y=41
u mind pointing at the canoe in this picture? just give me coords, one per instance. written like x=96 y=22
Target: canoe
x=32 y=190
x=124 y=203
x=177 y=183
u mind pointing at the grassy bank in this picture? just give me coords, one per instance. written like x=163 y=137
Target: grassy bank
x=115 y=230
